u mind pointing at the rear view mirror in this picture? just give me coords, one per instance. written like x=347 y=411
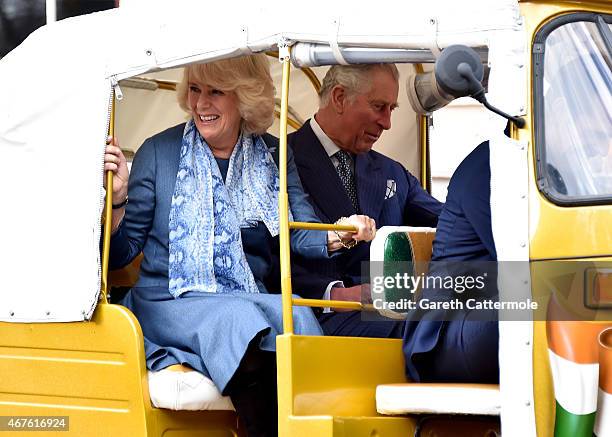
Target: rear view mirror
x=458 y=72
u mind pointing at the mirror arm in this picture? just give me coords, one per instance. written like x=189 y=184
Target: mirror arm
x=518 y=121
x=477 y=92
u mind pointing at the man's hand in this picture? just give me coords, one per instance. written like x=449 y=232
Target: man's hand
x=366 y=228
x=351 y=294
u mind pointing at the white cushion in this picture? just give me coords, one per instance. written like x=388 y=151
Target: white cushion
x=412 y=398
x=185 y=391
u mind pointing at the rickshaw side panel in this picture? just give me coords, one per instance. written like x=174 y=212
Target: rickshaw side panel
x=327 y=385
x=543 y=390
x=169 y=423
x=90 y=371
x=95 y=373
x=549 y=223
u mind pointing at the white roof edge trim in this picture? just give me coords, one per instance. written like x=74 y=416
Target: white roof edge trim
x=256 y=28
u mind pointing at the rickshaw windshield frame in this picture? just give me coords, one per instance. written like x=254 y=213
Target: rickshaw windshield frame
x=539 y=88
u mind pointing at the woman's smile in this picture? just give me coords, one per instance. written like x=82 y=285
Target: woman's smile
x=216 y=116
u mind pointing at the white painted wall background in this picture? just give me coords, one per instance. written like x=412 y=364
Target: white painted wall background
x=457 y=130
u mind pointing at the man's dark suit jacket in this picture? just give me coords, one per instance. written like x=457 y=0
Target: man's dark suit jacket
x=408 y=205
x=438 y=349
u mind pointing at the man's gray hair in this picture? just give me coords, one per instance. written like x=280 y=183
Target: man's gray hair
x=355 y=79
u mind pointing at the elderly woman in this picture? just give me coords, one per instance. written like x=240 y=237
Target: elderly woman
x=203 y=209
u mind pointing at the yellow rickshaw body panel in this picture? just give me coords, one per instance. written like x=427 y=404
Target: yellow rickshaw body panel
x=327 y=386
x=543 y=393
x=570 y=233
x=95 y=373
x=561 y=232
x=556 y=232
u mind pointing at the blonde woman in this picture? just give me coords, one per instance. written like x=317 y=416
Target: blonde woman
x=203 y=209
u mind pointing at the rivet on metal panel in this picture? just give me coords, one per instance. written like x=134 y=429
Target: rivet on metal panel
x=148 y=52
x=48 y=313
x=523 y=244
x=528 y=403
x=283 y=49
x=11 y=313
x=245 y=36
x=522 y=109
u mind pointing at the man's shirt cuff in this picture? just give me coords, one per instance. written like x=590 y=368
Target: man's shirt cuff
x=327 y=294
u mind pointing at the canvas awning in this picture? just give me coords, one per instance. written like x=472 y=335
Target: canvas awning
x=55 y=92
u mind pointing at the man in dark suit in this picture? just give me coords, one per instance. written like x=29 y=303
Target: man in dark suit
x=344 y=176
x=459 y=346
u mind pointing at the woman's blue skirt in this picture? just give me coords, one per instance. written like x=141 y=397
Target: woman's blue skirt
x=210 y=332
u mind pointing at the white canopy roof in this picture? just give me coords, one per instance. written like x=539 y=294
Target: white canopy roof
x=55 y=90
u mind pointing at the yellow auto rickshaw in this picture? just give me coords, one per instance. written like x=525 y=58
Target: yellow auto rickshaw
x=73 y=361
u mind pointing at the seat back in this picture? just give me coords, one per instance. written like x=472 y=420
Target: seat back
x=403 y=243
x=398 y=250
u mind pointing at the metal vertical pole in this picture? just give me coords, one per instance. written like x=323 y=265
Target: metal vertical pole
x=283 y=198
x=108 y=212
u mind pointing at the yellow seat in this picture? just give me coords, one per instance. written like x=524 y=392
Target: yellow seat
x=398 y=250
x=411 y=398
x=185 y=389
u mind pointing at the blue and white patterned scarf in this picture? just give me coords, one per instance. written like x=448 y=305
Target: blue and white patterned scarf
x=206 y=214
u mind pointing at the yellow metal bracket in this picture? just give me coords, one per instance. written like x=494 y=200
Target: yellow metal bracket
x=320 y=303
x=308 y=72
x=322 y=227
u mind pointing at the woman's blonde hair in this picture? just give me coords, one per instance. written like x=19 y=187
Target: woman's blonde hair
x=247 y=76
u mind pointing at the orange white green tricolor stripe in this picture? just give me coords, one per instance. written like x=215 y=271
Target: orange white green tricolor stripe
x=603 y=423
x=572 y=349
x=574 y=361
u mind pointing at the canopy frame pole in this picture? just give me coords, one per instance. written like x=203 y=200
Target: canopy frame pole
x=283 y=197
x=422 y=122
x=108 y=211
